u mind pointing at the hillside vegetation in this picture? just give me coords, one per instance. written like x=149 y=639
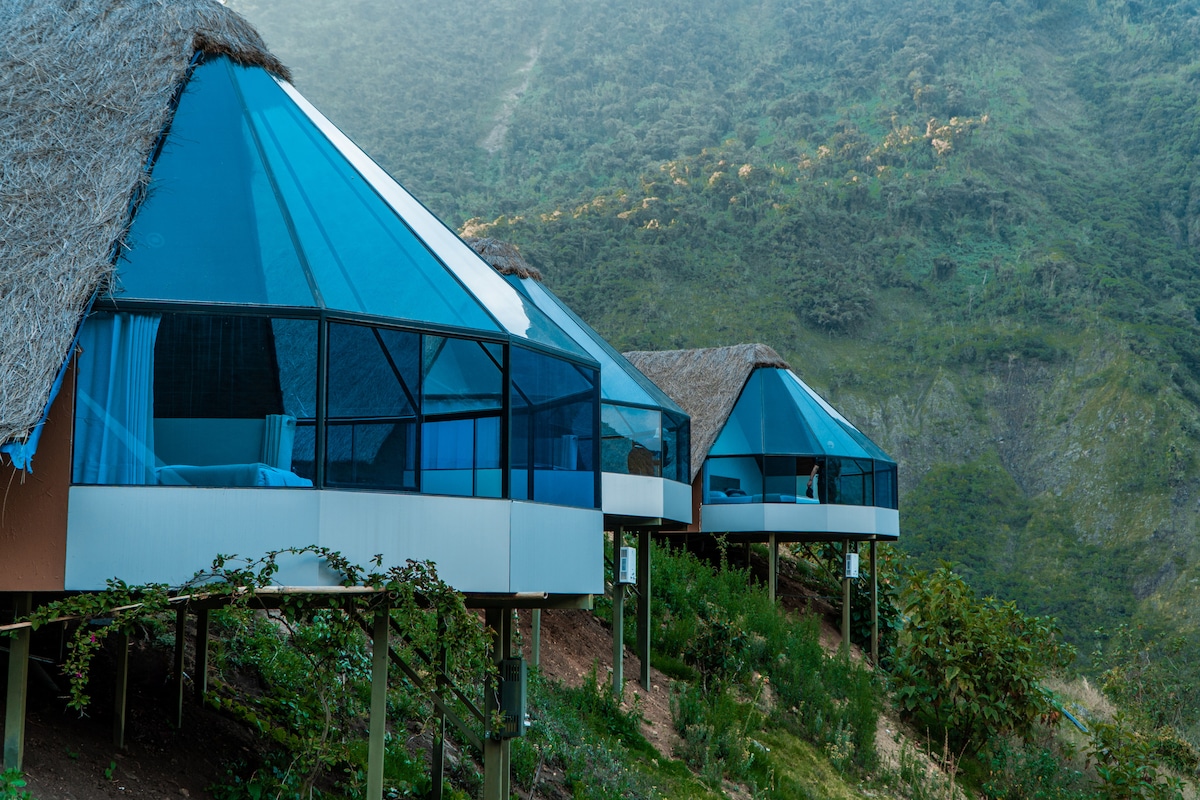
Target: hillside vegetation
x=973 y=226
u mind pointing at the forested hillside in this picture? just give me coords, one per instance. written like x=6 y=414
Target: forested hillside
x=972 y=225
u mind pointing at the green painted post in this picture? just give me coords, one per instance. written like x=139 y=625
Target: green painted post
x=18 y=686
x=439 y=743
x=618 y=617
x=177 y=665
x=644 y=606
x=121 y=695
x=874 y=608
x=379 y=670
x=200 y=673
x=493 y=788
x=845 y=600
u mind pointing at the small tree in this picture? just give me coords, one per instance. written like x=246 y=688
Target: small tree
x=969 y=670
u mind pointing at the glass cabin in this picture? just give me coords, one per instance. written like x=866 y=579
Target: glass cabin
x=296 y=352
x=786 y=461
x=644 y=434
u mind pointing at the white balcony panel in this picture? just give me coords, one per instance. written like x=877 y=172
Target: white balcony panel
x=646 y=496
x=145 y=534
x=800 y=518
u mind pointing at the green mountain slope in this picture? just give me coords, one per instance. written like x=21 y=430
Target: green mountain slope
x=972 y=225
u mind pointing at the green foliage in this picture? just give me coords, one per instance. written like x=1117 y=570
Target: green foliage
x=746 y=650
x=1025 y=771
x=969 y=670
x=12 y=785
x=1127 y=766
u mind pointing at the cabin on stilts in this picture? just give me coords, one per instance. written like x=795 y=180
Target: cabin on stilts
x=225 y=329
x=773 y=462
x=645 y=446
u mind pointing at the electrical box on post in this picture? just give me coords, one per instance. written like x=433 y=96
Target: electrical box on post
x=851 y=565
x=512 y=697
x=627 y=569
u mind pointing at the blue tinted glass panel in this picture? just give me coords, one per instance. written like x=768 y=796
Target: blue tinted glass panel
x=733 y=480
x=785 y=428
x=677 y=447
x=617 y=381
x=846 y=439
x=363 y=256
x=461 y=457
x=461 y=375
x=554 y=430
x=743 y=431
x=885 y=485
x=849 y=481
x=186 y=400
x=210 y=228
x=630 y=439
x=371 y=435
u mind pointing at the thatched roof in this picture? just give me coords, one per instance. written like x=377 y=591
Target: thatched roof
x=505 y=258
x=706 y=383
x=87 y=87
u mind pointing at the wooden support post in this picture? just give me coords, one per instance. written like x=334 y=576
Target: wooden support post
x=535 y=627
x=874 y=607
x=772 y=567
x=845 y=600
x=618 y=617
x=492 y=781
x=506 y=651
x=644 y=607
x=177 y=664
x=439 y=743
x=200 y=673
x=18 y=686
x=378 y=724
x=121 y=694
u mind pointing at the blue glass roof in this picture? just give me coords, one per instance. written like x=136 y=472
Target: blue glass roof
x=778 y=414
x=620 y=381
x=257 y=199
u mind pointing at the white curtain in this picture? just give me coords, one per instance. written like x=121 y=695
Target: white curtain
x=114 y=410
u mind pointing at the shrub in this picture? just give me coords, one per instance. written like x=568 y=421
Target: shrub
x=969 y=670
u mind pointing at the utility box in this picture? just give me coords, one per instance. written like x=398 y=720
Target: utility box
x=851 y=565
x=512 y=697
x=627 y=569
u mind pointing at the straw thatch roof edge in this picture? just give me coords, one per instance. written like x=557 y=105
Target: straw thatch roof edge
x=706 y=383
x=88 y=88
x=504 y=257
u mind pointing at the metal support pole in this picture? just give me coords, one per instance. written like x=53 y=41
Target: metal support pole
x=644 y=607
x=535 y=627
x=845 y=600
x=439 y=742
x=18 y=686
x=618 y=618
x=121 y=695
x=874 y=607
x=200 y=673
x=506 y=651
x=772 y=567
x=177 y=664
x=492 y=781
x=378 y=729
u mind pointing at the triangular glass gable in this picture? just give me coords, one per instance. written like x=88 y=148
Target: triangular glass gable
x=777 y=414
x=620 y=381
x=250 y=203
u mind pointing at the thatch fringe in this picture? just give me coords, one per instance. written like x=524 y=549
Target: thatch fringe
x=504 y=257
x=85 y=91
x=706 y=383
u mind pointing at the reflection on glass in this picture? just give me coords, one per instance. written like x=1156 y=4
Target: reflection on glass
x=553 y=430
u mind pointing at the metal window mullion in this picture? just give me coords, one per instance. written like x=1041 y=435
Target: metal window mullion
x=322 y=399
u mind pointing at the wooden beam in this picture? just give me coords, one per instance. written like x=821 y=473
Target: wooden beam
x=378 y=725
x=18 y=686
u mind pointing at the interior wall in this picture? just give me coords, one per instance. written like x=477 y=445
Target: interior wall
x=33 y=506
